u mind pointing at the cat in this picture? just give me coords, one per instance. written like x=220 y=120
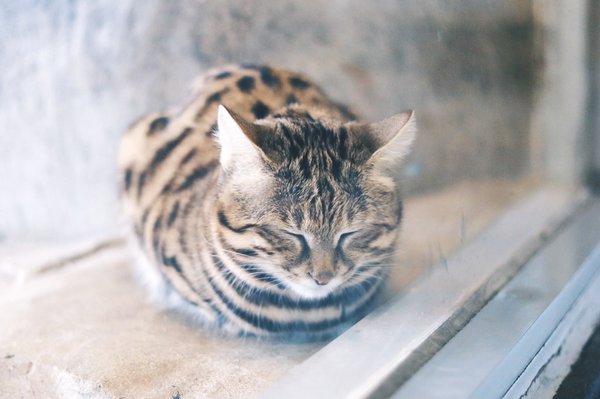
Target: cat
x=262 y=207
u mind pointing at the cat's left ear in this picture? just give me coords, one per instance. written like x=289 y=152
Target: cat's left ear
x=238 y=138
x=390 y=139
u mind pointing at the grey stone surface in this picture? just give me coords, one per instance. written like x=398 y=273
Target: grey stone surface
x=74 y=74
x=86 y=330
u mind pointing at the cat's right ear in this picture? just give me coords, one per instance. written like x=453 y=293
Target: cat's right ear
x=237 y=138
x=390 y=140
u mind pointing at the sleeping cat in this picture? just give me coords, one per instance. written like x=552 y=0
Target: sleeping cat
x=262 y=207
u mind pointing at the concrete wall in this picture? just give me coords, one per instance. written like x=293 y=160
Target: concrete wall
x=593 y=127
x=560 y=140
x=74 y=74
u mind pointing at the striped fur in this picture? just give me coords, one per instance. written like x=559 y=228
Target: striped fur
x=276 y=216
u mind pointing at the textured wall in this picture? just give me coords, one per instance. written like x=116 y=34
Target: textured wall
x=559 y=122
x=74 y=74
x=594 y=94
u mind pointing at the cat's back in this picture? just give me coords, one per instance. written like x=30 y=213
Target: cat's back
x=256 y=91
x=163 y=151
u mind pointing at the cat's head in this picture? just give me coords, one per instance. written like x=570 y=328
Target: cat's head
x=313 y=203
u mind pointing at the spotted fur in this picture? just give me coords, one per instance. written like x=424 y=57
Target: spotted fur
x=262 y=207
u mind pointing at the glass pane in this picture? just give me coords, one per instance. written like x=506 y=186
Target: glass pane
x=505 y=100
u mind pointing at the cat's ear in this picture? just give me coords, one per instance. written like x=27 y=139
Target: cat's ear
x=237 y=137
x=391 y=139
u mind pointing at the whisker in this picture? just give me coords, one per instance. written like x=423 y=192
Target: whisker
x=234 y=253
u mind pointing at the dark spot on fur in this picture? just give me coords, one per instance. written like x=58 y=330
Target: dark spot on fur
x=216 y=96
x=141 y=183
x=246 y=251
x=157 y=225
x=169 y=186
x=158 y=125
x=167 y=149
x=197 y=174
x=173 y=214
x=246 y=84
x=268 y=77
x=170 y=261
x=127 y=179
x=189 y=156
x=223 y=75
x=260 y=110
x=210 y=132
x=298 y=82
x=225 y=223
x=291 y=99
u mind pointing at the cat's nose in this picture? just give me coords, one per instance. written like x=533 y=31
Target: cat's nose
x=322 y=278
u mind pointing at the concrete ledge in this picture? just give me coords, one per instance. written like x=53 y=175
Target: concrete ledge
x=75 y=323
x=86 y=330
x=380 y=352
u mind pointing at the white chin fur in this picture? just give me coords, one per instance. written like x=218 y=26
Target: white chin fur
x=306 y=288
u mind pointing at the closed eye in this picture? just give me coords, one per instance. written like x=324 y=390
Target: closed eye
x=304 y=247
x=343 y=237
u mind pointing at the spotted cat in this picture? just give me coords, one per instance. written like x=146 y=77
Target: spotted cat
x=262 y=207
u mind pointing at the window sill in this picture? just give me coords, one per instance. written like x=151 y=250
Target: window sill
x=383 y=351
